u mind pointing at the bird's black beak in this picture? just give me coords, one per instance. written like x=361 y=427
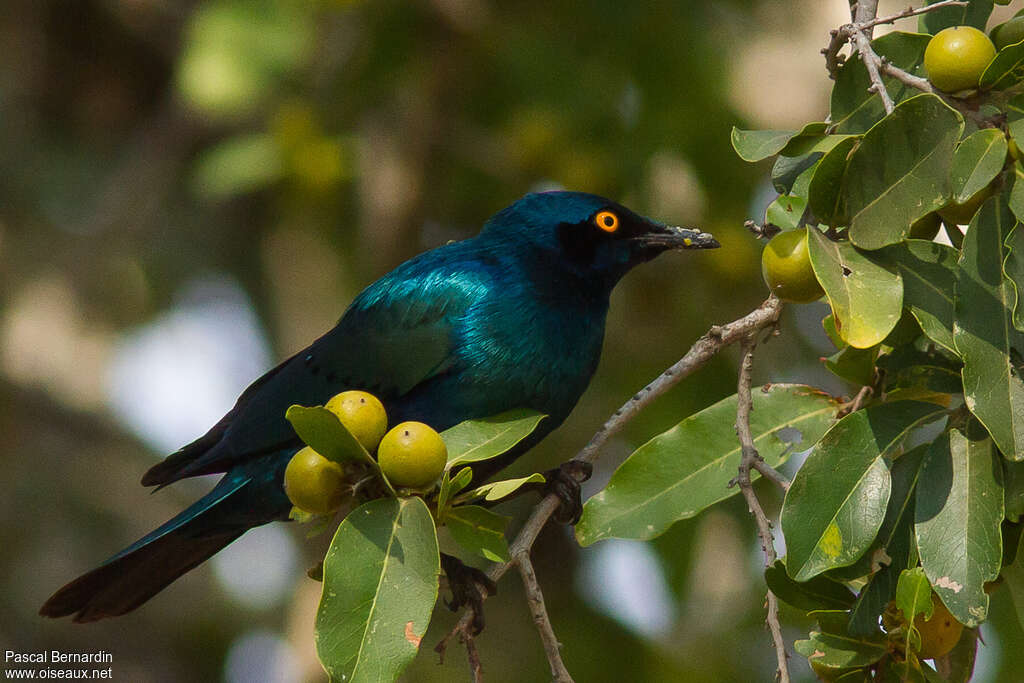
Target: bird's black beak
x=665 y=237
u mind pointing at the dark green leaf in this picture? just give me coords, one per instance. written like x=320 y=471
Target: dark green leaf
x=977 y=161
x=757 y=145
x=892 y=551
x=787 y=171
x=678 y=473
x=1013 y=267
x=321 y=430
x=853 y=364
x=1013 y=490
x=929 y=280
x=380 y=586
x=866 y=298
x=984 y=334
x=838 y=499
x=818 y=593
x=958 y=510
x=888 y=186
x=1015 y=195
x=960 y=661
x=1005 y=70
x=476 y=440
x=840 y=651
x=1013 y=576
x=854 y=108
x=975 y=14
x=478 y=530
x=824 y=192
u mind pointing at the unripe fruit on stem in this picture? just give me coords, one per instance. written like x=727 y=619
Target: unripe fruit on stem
x=956 y=57
x=938 y=634
x=786 y=267
x=412 y=455
x=362 y=414
x=314 y=483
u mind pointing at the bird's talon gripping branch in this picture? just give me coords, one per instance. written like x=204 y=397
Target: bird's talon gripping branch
x=564 y=481
x=465 y=583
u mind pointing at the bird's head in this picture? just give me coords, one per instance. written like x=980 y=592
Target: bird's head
x=589 y=235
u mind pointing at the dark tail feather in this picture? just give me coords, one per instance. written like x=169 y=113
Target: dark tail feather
x=149 y=565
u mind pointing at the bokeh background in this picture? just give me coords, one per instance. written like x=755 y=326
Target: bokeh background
x=191 y=191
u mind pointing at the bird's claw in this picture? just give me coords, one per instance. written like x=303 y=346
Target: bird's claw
x=465 y=583
x=564 y=481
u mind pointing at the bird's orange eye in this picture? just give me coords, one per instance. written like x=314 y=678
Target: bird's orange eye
x=607 y=221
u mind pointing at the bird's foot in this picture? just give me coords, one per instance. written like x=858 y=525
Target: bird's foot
x=465 y=584
x=564 y=481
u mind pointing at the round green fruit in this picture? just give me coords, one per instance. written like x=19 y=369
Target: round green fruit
x=1008 y=33
x=956 y=57
x=412 y=455
x=362 y=414
x=314 y=483
x=938 y=634
x=786 y=268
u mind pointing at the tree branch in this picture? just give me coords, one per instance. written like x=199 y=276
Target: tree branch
x=703 y=350
x=749 y=459
x=535 y=599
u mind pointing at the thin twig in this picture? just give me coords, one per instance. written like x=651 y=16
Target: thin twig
x=702 y=351
x=857 y=403
x=535 y=599
x=764 y=528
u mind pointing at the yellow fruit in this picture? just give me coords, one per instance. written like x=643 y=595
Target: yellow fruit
x=412 y=455
x=314 y=483
x=1008 y=33
x=362 y=414
x=926 y=228
x=938 y=634
x=956 y=57
x=786 y=267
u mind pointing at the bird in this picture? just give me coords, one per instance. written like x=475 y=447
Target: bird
x=511 y=318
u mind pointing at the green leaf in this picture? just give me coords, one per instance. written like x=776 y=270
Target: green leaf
x=889 y=186
x=680 y=472
x=957 y=517
x=914 y=594
x=785 y=211
x=1005 y=70
x=853 y=108
x=984 y=334
x=824 y=192
x=894 y=543
x=1013 y=490
x=840 y=651
x=866 y=298
x=837 y=501
x=789 y=172
x=450 y=487
x=497 y=490
x=961 y=658
x=853 y=364
x=380 y=586
x=321 y=430
x=929 y=279
x=757 y=145
x=1013 y=267
x=978 y=159
x=476 y=440
x=975 y=14
x=818 y=593
x=478 y=530
x=1016 y=193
